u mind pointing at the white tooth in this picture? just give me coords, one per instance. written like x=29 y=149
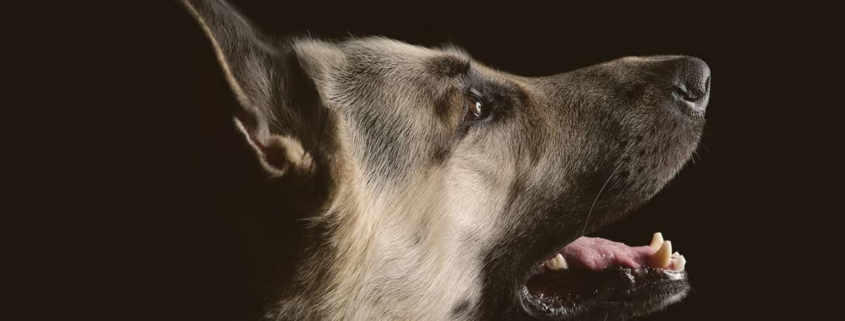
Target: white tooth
x=662 y=257
x=656 y=241
x=557 y=263
x=673 y=261
x=550 y=263
x=679 y=263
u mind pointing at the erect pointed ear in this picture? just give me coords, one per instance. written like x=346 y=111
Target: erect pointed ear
x=255 y=70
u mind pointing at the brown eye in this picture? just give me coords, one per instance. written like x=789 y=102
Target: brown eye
x=475 y=109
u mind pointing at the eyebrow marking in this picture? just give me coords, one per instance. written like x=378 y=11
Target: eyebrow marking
x=450 y=66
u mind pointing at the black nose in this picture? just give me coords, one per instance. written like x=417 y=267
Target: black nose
x=692 y=83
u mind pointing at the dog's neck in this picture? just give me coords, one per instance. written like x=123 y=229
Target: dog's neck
x=359 y=256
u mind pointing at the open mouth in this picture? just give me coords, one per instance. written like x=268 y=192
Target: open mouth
x=595 y=277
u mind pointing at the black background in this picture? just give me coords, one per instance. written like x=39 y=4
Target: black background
x=749 y=212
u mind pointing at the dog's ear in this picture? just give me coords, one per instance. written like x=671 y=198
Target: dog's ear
x=258 y=74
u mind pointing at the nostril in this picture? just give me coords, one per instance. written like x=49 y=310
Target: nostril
x=687 y=94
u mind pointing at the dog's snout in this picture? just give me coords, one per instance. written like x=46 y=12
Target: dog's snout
x=691 y=82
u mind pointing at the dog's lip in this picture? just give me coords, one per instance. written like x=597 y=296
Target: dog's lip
x=628 y=292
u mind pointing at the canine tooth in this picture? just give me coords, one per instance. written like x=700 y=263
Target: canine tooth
x=656 y=241
x=557 y=263
x=679 y=263
x=662 y=257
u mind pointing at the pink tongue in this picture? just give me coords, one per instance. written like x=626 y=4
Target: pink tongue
x=595 y=253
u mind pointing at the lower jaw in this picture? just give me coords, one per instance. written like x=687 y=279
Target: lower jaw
x=616 y=293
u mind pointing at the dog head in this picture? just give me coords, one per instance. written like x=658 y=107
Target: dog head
x=447 y=184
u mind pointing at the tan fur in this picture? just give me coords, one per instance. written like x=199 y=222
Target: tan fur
x=416 y=204
x=375 y=229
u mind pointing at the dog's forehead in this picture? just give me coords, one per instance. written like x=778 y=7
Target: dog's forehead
x=391 y=53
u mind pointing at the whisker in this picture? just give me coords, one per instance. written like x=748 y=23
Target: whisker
x=618 y=166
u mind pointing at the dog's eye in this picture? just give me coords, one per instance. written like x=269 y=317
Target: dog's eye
x=475 y=109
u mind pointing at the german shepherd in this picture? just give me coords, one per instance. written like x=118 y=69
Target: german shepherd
x=433 y=187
